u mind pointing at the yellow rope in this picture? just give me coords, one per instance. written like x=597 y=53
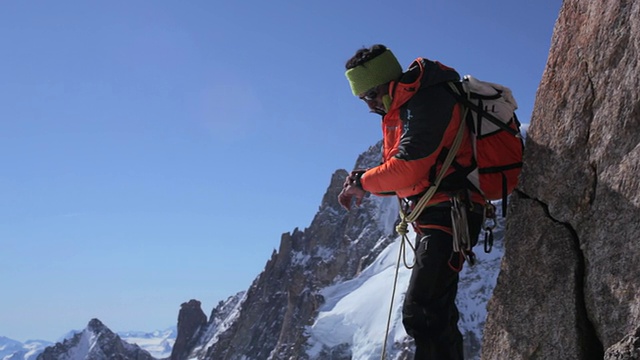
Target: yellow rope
x=405 y=219
x=393 y=294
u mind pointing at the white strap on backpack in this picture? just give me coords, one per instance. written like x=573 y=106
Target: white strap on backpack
x=495 y=99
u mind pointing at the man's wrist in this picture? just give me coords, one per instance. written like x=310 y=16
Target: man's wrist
x=358 y=180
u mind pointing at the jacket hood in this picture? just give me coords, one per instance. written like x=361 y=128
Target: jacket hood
x=422 y=73
x=434 y=73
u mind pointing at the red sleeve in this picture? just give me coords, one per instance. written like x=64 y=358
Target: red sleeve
x=424 y=137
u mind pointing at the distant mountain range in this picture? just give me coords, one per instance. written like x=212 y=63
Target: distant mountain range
x=157 y=344
x=14 y=350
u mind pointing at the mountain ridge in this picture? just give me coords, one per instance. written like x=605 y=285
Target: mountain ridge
x=336 y=272
x=158 y=343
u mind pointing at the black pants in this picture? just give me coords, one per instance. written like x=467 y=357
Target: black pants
x=429 y=313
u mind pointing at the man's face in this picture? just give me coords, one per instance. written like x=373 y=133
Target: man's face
x=373 y=98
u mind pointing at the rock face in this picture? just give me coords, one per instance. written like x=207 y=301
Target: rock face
x=627 y=349
x=569 y=285
x=190 y=319
x=95 y=342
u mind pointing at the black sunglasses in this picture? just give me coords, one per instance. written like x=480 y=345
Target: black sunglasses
x=370 y=95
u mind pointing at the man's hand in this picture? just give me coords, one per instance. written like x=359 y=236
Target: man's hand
x=352 y=189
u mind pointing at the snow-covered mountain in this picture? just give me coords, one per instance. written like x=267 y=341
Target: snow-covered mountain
x=95 y=342
x=326 y=292
x=157 y=343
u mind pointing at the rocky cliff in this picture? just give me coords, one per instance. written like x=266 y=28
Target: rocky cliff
x=325 y=293
x=190 y=320
x=569 y=285
x=284 y=298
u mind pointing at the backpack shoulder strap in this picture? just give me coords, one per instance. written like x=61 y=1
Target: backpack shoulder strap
x=422 y=203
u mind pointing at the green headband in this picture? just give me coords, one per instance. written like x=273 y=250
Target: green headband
x=379 y=70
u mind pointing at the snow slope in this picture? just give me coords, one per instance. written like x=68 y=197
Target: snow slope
x=355 y=312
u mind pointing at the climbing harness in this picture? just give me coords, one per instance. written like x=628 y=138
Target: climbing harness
x=501 y=97
x=405 y=219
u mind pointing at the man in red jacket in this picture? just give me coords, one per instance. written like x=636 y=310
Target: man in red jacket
x=420 y=119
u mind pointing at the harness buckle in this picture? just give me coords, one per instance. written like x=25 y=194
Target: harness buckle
x=490 y=223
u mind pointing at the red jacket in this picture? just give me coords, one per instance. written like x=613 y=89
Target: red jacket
x=418 y=130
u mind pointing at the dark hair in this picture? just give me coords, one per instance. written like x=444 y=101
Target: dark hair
x=365 y=54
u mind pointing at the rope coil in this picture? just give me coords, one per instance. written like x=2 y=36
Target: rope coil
x=402 y=228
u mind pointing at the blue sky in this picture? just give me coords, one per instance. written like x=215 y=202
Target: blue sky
x=155 y=151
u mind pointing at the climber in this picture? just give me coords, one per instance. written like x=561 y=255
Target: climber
x=420 y=119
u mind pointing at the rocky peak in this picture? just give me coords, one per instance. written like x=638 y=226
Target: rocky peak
x=190 y=320
x=283 y=299
x=96 y=326
x=95 y=342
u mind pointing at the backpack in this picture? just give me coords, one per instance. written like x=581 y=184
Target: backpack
x=497 y=149
x=497 y=143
